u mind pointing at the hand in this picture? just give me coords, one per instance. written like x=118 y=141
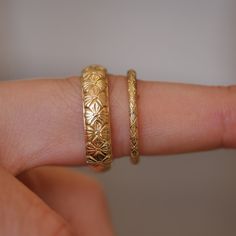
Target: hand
x=41 y=124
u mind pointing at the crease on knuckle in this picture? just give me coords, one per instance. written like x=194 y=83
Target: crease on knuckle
x=61 y=229
x=58 y=227
x=50 y=223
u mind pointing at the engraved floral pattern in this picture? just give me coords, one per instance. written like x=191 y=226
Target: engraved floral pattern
x=94 y=95
x=104 y=161
x=97 y=131
x=96 y=113
x=97 y=126
x=94 y=79
x=98 y=149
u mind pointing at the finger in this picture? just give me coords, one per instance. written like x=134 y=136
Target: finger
x=42 y=120
x=78 y=198
x=176 y=118
x=23 y=213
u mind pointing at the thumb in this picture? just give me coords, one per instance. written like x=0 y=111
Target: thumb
x=23 y=213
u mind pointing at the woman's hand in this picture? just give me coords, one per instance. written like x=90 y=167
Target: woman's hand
x=41 y=124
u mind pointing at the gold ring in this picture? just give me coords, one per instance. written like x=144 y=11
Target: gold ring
x=94 y=83
x=133 y=116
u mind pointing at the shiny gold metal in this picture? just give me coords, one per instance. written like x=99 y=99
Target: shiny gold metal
x=94 y=83
x=133 y=116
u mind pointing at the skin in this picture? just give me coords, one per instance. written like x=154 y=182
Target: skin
x=41 y=124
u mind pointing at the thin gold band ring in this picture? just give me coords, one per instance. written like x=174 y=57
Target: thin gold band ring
x=133 y=116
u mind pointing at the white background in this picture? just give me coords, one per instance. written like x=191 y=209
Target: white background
x=190 y=41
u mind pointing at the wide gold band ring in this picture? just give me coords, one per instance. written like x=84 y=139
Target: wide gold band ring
x=94 y=83
x=133 y=116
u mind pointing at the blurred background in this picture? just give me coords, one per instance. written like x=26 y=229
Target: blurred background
x=191 y=41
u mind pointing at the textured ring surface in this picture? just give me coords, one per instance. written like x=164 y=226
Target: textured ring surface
x=94 y=83
x=133 y=116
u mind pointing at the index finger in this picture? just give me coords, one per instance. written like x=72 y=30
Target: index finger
x=42 y=122
x=178 y=118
